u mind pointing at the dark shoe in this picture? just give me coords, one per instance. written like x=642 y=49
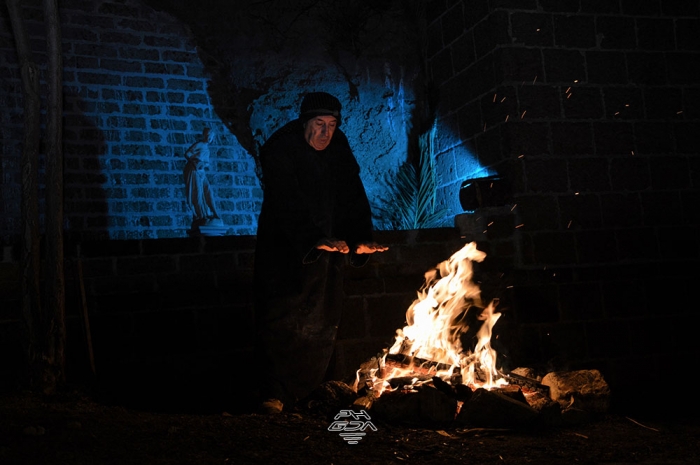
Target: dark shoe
x=271 y=406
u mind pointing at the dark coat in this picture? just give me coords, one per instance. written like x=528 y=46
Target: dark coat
x=308 y=195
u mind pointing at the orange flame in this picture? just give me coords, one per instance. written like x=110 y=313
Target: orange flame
x=436 y=322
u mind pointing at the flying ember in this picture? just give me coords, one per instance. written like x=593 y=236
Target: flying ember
x=434 y=342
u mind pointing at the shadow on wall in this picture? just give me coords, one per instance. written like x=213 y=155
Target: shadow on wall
x=87 y=212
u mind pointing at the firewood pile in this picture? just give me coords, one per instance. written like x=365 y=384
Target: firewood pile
x=526 y=401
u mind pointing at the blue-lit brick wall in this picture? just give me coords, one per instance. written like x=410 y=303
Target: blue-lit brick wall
x=135 y=98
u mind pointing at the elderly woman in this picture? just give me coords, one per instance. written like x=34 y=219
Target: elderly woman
x=315 y=216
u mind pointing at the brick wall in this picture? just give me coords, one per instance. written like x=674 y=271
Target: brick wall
x=588 y=109
x=135 y=98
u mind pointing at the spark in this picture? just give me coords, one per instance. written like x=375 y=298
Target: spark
x=515 y=205
x=507 y=116
x=567 y=90
x=494 y=97
x=520 y=225
x=569 y=225
x=503 y=99
x=534 y=80
x=523 y=115
x=521 y=155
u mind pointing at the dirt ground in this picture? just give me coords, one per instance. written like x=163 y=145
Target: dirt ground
x=74 y=428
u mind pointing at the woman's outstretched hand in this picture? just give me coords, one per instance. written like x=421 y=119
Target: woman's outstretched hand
x=333 y=245
x=370 y=247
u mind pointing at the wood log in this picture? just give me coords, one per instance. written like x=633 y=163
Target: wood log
x=423 y=406
x=419 y=365
x=550 y=411
x=364 y=402
x=491 y=409
x=444 y=387
x=512 y=391
x=525 y=382
x=407 y=381
x=582 y=389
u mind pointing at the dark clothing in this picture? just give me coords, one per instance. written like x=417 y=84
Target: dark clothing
x=308 y=195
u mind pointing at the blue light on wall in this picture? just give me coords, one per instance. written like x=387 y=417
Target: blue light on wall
x=131 y=112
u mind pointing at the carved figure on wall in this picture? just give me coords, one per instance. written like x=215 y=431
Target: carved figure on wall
x=198 y=195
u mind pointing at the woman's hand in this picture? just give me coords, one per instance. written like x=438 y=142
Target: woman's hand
x=333 y=245
x=370 y=247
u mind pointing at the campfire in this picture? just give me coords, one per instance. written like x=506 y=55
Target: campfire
x=430 y=345
x=442 y=367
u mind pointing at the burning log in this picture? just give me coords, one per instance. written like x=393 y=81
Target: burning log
x=419 y=365
x=526 y=382
x=512 y=391
x=424 y=369
x=424 y=372
x=407 y=382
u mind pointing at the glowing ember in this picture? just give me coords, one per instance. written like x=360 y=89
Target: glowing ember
x=431 y=343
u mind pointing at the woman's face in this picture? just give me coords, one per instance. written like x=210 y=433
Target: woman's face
x=319 y=130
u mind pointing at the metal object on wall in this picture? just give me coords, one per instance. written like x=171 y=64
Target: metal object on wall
x=490 y=191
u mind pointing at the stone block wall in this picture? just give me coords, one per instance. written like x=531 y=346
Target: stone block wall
x=588 y=110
